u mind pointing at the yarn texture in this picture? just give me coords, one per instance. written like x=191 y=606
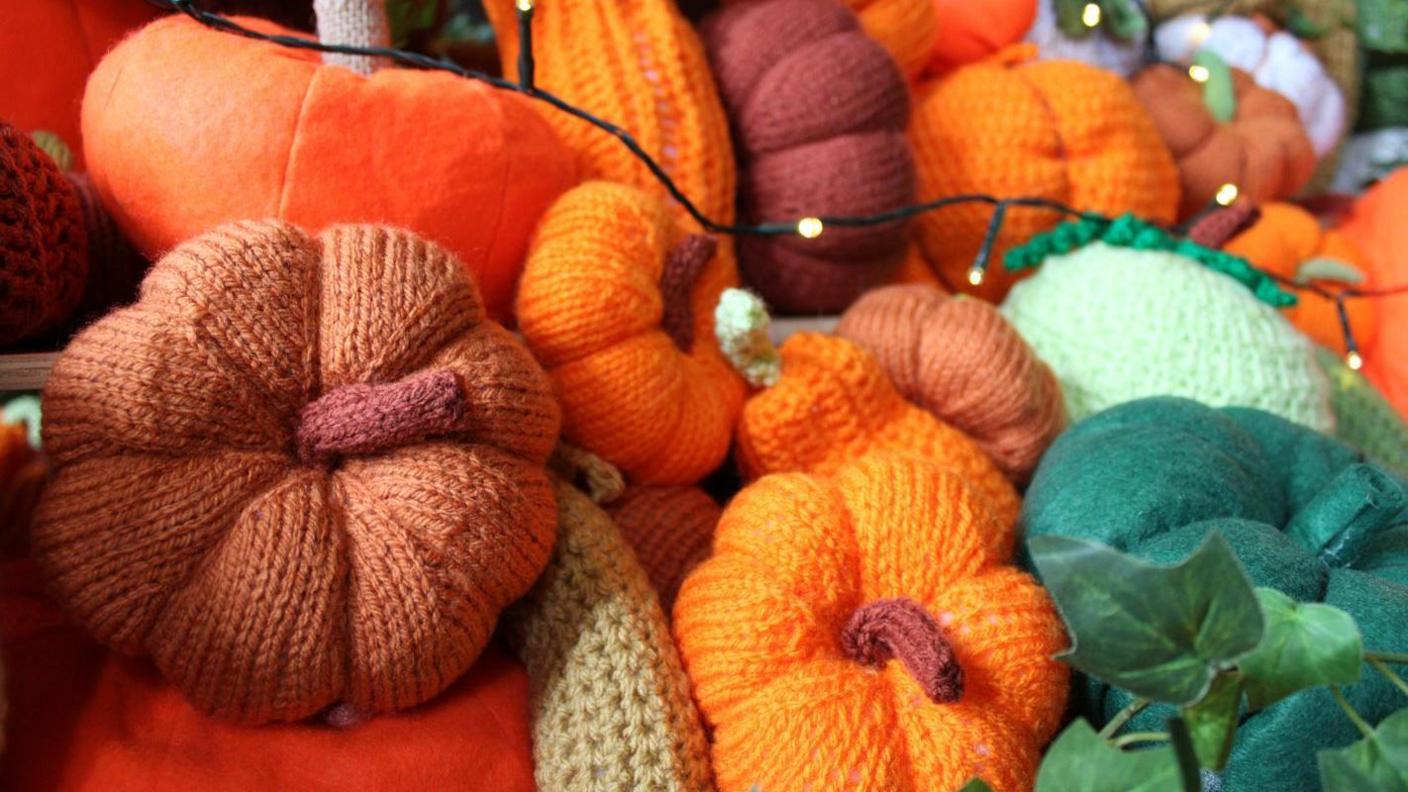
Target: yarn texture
x=861 y=631
x=611 y=703
x=230 y=500
x=671 y=530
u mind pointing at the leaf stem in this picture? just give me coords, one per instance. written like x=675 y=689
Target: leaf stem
x=1122 y=717
x=1359 y=723
x=1397 y=658
x=1383 y=668
x=1139 y=737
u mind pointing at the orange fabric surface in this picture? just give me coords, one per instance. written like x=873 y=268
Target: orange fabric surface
x=47 y=49
x=251 y=131
x=82 y=718
x=1376 y=225
x=972 y=31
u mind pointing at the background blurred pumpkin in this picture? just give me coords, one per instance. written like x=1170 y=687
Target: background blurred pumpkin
x=1375 y=226
x=973 y=31
x=905 y=28
x=255 y=130
x=1012 y=126
x=1117 y=42
x=617 y=302
x=1155 y=477
x=860 y=631
x=670 y=529
x=960 y=360
x=800 y=157
x=22 y=473
x=1261 y=147
x=297 y=472
x=1363 y=417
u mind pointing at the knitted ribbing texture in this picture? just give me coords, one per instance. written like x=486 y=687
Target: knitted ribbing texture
x=611 y=704
x=671 y=530
x=183 y=522
x=1118 y=324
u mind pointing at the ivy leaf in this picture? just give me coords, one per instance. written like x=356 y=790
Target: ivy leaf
x=1306 y=645
x=1378 y=762
x=1160 y=632
x=1212 y=722
x=1219 y=92
x=1079 y=761
x=1125 y=20
x=976 y=785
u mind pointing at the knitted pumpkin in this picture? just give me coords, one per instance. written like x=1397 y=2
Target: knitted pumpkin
x=801 y=157
x=90 y=720
x=1262 y=148
x=298 y=471
x=1011 y=126
x=611 y=705
x=1375 y=226
x=960 y=360
x=973 y=31
x=1102 y=46
x=252 y=130
x=905 y=28
x=671 y=530
x=861 y=632
x=1155 y=477
x=1122 y=311
x=1289 y=241
x=617 y=304
x=1363 y=417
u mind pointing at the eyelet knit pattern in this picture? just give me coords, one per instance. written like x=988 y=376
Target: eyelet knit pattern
x=802 y=564
x=611 y=703
x=671 y=530
x=181 y=522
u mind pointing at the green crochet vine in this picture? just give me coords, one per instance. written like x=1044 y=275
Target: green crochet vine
x=1130 y=232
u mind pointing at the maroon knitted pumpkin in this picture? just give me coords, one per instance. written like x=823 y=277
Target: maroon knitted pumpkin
x=818 y=112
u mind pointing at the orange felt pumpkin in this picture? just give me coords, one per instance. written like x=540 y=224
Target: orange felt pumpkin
x=254 y=130
x=973 y=31
x=616 y=303
x=1013 y=126
x=1375 y=225
x=1289 y=242
x=1262 y=149
x=862 y=632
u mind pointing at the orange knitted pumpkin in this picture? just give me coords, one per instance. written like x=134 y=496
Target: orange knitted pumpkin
x=298 y=471
x=1290 y=241
x=617 y=304
x=961 y=360
x=973 y=31
x=1375 y=226
x=670 y=528
x=861 y=632
x=1263 y=149
x=905 y=28
x=253 y=130
x=1012 y=126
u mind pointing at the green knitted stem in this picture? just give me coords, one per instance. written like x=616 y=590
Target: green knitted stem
x=1130 y=232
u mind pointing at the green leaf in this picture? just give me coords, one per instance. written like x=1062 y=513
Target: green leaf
x=1306 y=645
x=1379 y=762
x=976 y=785
x=1079 y=761
x=1160 y=632
x=1302 y=26
x=1124 y=20
x=1219 y=92
x=1212 y=722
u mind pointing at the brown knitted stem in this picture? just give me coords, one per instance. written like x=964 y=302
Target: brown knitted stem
x=370 y=419
x=682 y=265
x=1219 y=226
x=901 y=628
x=353 y=23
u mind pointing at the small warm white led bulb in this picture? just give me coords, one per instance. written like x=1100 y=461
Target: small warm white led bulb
x=524 y=5
x=975 y=276
x=1090 y=15
x=1199 y=73
x=810 y=227
x=1227 y=194
x=1354 y=361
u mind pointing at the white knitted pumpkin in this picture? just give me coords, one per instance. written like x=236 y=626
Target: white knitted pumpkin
x=1098 y=49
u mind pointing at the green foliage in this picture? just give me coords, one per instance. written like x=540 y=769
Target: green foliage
x=976 y=785
x=1219 y=92
x=1079 y=761
x=1212 y=722
x=1378 y=762
x=1306 y=645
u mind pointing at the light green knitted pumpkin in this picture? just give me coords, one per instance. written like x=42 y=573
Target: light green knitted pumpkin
x=1121 y=311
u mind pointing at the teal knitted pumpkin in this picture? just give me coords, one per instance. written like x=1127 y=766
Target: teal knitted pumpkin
x=1122 y=310
x=1304 y=514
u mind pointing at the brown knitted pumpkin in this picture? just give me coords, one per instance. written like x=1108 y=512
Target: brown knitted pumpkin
x=671 y=530
x=818 y=111
x=298 y=471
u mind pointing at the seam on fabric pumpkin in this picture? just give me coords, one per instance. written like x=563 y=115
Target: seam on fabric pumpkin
x=504 y=145
x=293 y=142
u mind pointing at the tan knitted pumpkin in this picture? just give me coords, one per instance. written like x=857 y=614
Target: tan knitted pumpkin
x=298 y=471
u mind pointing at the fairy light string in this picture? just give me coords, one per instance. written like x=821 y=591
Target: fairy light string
x=807 y=227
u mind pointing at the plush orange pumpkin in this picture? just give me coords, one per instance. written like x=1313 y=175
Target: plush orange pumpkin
x=1262 y=148
x=671 y=530
x=1290 y=242
x=861 y=632
x=298 y=471
x=617 y=304
x=973 y=31
x=1375 y=225
x=254 y=130
x=1012 y=126
x=905 y=28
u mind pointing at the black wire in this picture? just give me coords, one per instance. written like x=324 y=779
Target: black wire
x=525 y=48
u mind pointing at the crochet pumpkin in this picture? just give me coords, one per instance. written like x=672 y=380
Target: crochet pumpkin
x=253 y=130
x=1012 y=126
x=905 y=28
x=670 y=529
x=611 y=706
x=973 y=31
x=1290 y=242
x=860 y=632
x=1121 y=311
x=1261 y=147
x=1375 y=227
x=801 y=157
x=960 y=360
x=617 y=302
x=298 y=471
x=1155 y=477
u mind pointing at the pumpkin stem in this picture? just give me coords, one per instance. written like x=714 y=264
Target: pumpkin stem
x=53 y=145
x=682 y=265
x=741 y=325
x=1350 y=512
x=1219 y=226
x=601 y=479
x=353 y=23
x=369 y=419
x=901 y=628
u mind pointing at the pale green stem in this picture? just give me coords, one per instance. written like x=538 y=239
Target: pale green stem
x=1359 y=723
x=1125 y=740
x=1122 y=717
x=1383 y=668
